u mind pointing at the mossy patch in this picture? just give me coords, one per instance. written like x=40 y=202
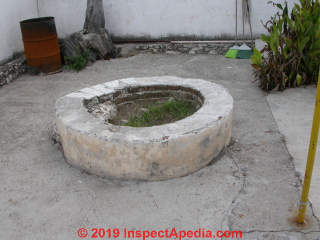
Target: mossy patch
x=158 y=113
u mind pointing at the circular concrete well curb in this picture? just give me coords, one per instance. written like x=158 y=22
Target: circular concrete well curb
x=149 y=153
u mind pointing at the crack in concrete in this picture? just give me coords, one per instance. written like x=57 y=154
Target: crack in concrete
x=226 y=222
x=314 y=215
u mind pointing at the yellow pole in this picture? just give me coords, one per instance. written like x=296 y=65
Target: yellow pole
x=311 y=157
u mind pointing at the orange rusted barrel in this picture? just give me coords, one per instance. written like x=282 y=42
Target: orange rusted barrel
x=41 y=45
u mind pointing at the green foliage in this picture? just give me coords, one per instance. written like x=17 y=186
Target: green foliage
x=256 y=58
x=157 y=114
x=77 y=63
x=291 y=56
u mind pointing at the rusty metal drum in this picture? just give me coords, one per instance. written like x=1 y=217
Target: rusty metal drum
x=41 y=44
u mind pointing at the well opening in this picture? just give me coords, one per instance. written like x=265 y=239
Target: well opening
x=145 y=106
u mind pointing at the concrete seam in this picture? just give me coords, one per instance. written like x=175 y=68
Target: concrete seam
x=292 y=162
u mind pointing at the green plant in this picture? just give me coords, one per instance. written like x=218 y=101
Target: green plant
x=77 y=63
x=161 y=113
x=291 y=56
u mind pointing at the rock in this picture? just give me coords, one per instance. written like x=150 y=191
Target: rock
x=54 y=135
x=142 y=47
x=96 y=45
x=172 y=52
x=103 y=111
x=213 y=52
x=128 y=51
x=94 y=39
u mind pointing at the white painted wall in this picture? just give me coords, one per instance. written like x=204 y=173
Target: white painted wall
x=159 y=18
x=69 y=14
x=11 y=13
x=150 y=19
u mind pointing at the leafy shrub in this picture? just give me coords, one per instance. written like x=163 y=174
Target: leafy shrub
x=77 y=63
x=291 y=56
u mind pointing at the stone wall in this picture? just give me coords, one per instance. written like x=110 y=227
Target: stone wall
x=212 y=48
x=182 y=47
x=12 y=70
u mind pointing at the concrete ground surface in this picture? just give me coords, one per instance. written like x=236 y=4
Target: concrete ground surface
x=252 y=186
x=293 y=110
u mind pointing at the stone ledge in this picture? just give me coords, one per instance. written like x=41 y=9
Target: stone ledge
x=12 y=70
x=210 y=47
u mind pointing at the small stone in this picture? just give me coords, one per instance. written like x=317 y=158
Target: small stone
x=172 y=52
x=142 y=47
x=213 y=52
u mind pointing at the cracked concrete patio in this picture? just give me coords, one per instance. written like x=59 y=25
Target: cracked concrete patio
x=252 y=186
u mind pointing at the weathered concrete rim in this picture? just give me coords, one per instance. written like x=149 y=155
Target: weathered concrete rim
x=148 y=153
x=71 y=110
